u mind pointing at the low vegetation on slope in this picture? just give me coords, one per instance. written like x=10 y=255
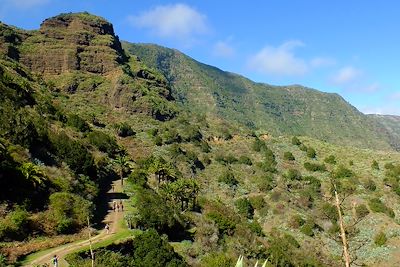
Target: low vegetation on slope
x=203 y=189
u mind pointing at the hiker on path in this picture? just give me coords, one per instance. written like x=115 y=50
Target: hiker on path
x=55 y=261
x=114 y=205
x=107 y=227
x=117 y=207
x=112 y=187
x=121 y=205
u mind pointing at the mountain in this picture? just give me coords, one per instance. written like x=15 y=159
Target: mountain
x=389 y=126
x=204 y=181
x=293 y=110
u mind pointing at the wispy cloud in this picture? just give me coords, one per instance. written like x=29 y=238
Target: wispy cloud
x=382 y=110
x=279 y=60
x=178 y=21
x=318 y=62
x=346 y=75
x=223 y=49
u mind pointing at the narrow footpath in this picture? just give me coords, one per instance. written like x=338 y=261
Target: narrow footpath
x=113 y=219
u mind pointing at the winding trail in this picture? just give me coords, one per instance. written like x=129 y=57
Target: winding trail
x=113 y=218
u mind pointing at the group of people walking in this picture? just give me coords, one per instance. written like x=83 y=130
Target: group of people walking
x=118 y=206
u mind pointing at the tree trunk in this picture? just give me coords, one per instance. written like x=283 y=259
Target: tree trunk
x=346 y=254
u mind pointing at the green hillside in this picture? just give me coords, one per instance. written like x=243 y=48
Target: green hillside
x=77 y=111
x=294 y=110
x=389 y=126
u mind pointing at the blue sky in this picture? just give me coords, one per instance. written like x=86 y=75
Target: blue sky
x=350 y=47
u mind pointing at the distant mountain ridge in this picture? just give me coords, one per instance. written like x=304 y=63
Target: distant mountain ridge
x=389 y=126
x=293 y=110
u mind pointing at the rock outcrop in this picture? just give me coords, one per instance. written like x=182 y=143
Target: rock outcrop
x=69 y=42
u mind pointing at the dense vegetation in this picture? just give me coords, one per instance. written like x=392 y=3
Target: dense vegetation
x=203 y=188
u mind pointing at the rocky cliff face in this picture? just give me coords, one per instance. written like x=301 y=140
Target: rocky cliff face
x=71 y=42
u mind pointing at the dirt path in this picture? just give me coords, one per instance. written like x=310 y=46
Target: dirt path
x=113 y=218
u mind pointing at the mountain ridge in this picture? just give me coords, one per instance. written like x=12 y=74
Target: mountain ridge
x=294 y=110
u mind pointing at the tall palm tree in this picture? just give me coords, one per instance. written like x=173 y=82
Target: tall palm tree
x=123 y=164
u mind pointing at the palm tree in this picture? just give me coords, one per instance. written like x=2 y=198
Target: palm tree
x=123 y=164
x=32 y=173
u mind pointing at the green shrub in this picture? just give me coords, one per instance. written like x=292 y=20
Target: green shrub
x=370 y=185
x=228 y=178
x=313 y=183
x=329 y=211
x=288 y=156
x=78 y=123
x=343 y=172
x=257 y=202
x=69 y=211
x=380 y=239
x=307 y=229
x=259 y=145
x=256 y=228
x=217 y=260
x=314 y=167
x=330 y=160
x=265 y=183
x=376 y=205
x=244 y=207
x=225 y=224
x=124 y=130
x=311 y=153
x=296 y=141
x=375 y=165
x=103 y=142
x=296 y=221
x=293 y=174
x=361 y=211
x=245 y=160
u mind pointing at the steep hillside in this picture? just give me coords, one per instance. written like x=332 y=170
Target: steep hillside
x=389 y=126
x=278 y=110
x=203 y=188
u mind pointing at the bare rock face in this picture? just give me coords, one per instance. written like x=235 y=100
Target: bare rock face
x=71 y=42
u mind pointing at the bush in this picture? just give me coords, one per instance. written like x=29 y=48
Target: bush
x=15 y=225
x=293 y=174
x=259 y=145
x=124 y=130
x=256 y=228
x=244 y=207
x=343 y=172
x=330 y=212
x=217 y=260
x=296 y=221
x=376 y=205
x=380 y=239
x=245 y=160
x=330 y=160
x=314 y=167
x=265 y=183
x=307 y=229
x=69 y=211
x=375 y=165
x=78 y=123
x=288 y=156
x=361 y=211
x=257 y=202
x=103 y=142
x=149 y=249
x=370 y=185
x=225 y=224
x=314 y=183
x=311 y=153
x=73 y=153
x=228 y=178
x=296 y=141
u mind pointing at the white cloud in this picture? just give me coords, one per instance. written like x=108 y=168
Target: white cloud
x=346 y=75
x=394 y=96
x=383 y=110
x=223 y=49
x=174 y=21
x=279 y=60
x=318 y=62
x=26 y=4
